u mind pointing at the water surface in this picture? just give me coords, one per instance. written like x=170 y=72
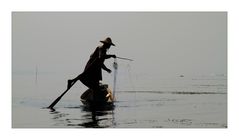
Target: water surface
x=199 y=103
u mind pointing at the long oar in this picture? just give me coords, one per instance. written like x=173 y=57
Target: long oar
x=59 y=98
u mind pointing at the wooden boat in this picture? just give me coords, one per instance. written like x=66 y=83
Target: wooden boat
x=102 y=98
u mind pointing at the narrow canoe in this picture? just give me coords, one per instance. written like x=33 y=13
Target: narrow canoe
x=103 y=97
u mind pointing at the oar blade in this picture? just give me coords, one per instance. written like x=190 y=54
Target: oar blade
x=54 y=103
x=59 y=98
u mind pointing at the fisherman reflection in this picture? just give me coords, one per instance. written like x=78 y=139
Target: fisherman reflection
x=98 y=117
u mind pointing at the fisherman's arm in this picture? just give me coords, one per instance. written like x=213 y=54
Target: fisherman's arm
x=109 y=56
x=105 y=68
x=103 y=55
x=106 y=56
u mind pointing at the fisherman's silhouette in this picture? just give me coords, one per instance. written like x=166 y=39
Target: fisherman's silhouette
x=92 y=73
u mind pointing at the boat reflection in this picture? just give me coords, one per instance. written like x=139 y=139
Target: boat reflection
x=84 y=117
x=100 y=116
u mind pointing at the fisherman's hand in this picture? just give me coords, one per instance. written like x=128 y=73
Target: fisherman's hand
x=114 y=56
x=109 y=71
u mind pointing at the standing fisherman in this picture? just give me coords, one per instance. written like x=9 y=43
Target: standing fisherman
x=92 y=73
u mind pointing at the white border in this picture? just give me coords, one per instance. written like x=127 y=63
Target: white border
x=8 y=6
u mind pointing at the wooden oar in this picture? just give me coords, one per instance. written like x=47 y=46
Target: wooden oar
x=59 y=98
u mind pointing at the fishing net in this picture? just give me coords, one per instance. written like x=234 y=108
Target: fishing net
x=115 y=66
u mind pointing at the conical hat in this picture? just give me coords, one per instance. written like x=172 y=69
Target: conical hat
x=108 y=41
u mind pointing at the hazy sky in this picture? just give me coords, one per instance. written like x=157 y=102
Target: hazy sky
x=161 y=43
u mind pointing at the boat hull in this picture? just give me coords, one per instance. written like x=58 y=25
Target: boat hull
x=103 y=97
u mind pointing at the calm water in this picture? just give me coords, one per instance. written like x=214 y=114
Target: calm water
x=174 y=102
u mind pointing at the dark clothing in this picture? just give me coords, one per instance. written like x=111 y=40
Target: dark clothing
x=92 y=73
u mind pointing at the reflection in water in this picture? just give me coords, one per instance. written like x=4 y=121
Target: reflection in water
x=83 y=116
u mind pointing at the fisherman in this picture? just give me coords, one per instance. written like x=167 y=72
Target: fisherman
x=92 y=73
